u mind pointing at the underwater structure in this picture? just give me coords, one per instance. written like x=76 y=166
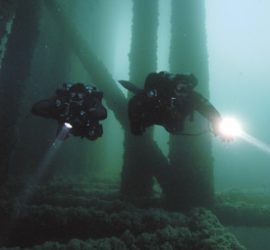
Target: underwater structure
x=53 y=198
x=15 y=69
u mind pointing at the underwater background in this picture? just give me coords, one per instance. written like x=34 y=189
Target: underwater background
x=110 y=193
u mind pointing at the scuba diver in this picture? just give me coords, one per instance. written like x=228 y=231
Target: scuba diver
x=76 y=107
x=167 y=100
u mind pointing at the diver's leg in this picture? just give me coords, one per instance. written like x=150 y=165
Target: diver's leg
x=44 y=108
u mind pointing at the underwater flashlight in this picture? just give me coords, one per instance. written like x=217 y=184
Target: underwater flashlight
x=230 y=127
x=63 y=132
x=67 y=125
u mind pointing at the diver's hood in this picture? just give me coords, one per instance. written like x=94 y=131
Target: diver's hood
x=189 y=80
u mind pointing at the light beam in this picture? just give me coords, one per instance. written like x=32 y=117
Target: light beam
x=256 y=142
x=42 y=167
x=230 y=127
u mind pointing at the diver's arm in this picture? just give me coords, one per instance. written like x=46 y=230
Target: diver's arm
x=205 y=108
x=44 y=108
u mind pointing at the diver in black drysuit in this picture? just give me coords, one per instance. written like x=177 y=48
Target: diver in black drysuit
x=78 y=106
x=167 y=100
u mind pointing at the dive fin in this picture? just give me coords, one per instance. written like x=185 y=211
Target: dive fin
x=130 y=86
